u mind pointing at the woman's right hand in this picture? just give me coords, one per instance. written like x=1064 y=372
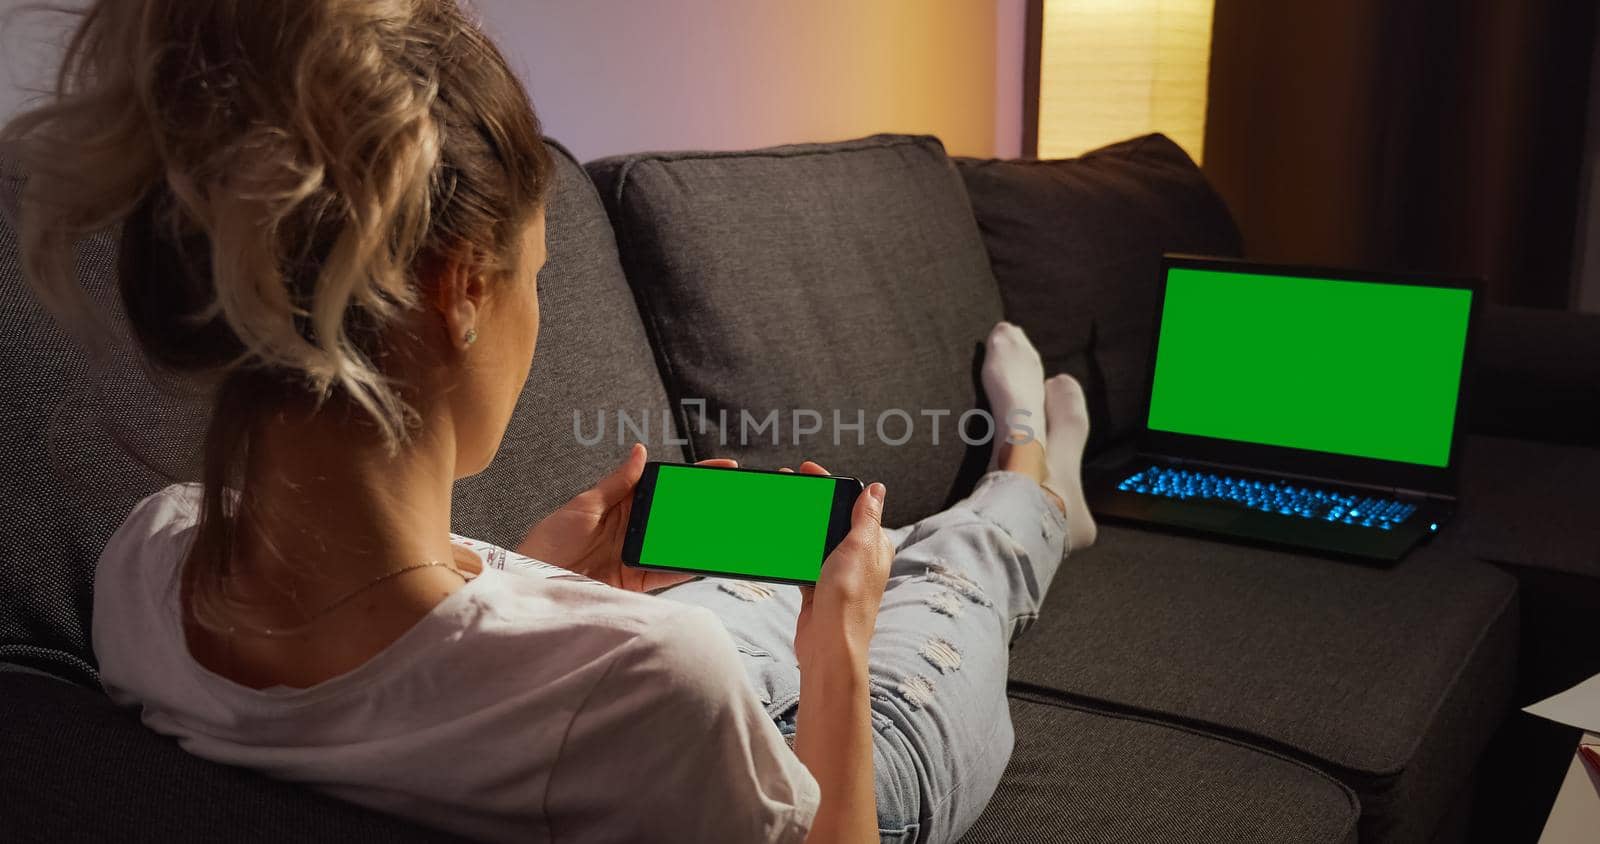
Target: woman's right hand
x=838 y=615
x=833 y=728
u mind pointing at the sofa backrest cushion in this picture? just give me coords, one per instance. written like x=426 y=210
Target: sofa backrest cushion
x=845 y=277
x=82 y=442
x=1076 y=246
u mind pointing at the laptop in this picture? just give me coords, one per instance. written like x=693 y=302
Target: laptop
x=1291 y=406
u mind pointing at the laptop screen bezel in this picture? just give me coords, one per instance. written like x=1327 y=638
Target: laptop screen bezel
x=1295 y=461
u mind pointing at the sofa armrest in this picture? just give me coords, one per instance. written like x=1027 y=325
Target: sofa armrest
x=1536 y=376
x=76 y=768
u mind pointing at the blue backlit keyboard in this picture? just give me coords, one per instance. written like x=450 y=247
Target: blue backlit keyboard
x=1268 y=496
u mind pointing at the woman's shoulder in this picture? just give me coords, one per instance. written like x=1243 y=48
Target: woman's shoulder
x=532 y=594
x=495 y=557
x=583 y=603
x=135 y=585
x=156 y=530
x=173 y=504
x=680 y=647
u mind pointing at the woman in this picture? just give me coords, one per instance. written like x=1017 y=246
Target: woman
x=332 y=215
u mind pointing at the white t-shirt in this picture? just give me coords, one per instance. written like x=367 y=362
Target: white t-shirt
x=530 y=705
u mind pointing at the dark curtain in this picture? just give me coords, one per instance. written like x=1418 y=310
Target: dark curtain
x=1423 y=135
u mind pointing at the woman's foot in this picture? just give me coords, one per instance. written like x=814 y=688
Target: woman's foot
x=1013 y=379
x=1050 y=448
x=1067 y=420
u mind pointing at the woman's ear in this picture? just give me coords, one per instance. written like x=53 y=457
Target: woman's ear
x=457 y=293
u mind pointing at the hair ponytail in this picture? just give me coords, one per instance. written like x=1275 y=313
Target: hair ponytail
x=279 y=168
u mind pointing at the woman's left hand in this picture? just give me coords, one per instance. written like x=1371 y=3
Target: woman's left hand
x=586 y=534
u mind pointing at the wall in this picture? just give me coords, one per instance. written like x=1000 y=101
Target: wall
x=613 y=76
x=29 y=48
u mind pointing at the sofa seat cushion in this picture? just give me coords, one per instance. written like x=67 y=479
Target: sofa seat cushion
x=1528 y=504
x=1076 y=246
x=1391 y=679
x=845 y=278
x=1078 y=775
x=78 y=768
x=592 y=359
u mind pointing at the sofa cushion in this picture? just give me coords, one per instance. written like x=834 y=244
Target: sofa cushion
x=1076 y=246
x=1392 y=679
x=81 y=443
x=837 y=278
x=1528 y=504
x=1078 y=775
x=592 y=356
x=78 y=768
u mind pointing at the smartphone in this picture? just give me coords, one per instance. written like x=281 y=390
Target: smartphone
x=744 y=523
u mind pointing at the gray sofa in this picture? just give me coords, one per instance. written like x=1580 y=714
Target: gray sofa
x=1173 y=688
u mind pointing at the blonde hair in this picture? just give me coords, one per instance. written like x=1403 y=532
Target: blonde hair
x=279 y=168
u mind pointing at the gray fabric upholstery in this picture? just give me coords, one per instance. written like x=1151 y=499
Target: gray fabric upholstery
x=1083 y=776
x=1529 y=504
x=1391 y=678
x=78 y=768
x=592 y=356
x=832 y=277
x=81 y=441
x=1076 y=246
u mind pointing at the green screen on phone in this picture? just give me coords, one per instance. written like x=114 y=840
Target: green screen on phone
x=1346 y=367
x=739 y=523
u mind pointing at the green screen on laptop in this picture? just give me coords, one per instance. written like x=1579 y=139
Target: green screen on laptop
x=1346 y=367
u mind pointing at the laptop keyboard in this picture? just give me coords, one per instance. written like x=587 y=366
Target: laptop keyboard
x=1282 y=498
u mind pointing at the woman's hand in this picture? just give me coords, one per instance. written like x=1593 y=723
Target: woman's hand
x=838 y=615
x=833 y=729
x=586 y=534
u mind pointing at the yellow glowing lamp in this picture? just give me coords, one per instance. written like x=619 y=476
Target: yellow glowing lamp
x=1112 y=69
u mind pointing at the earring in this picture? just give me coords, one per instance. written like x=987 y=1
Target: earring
x=472 y=336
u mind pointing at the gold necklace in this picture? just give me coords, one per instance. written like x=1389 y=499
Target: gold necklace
x=284 y=632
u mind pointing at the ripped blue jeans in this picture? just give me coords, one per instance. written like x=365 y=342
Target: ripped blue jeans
x=964 y=584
